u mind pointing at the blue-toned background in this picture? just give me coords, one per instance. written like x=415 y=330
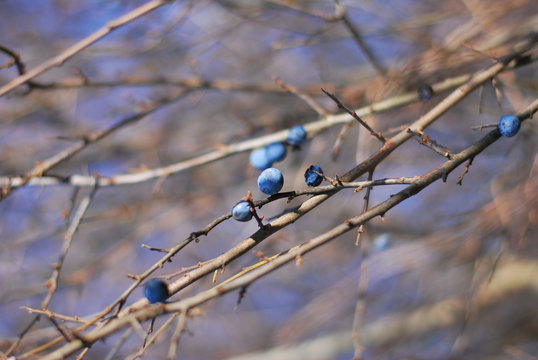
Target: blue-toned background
x=441 y=244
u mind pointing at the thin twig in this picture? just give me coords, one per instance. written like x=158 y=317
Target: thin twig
x=117 y=345
x=191 y=83
x=360 y=230
x=61 y=330
x=485 y=126
x=353 y=113
x=425 y=140
x=55 y=160
x=151 y=248
x=309 y=100
x=335 y=151
x=357 y=36
x=22 y=334
x=52 y=283
x=154 y=337
x=51 y=314
x=21 y=67
x=465 y=171
x=180 y=329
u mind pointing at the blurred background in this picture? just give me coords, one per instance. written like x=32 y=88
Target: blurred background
x=450 y=273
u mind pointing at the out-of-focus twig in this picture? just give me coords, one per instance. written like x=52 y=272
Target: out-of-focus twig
x=52 y=283
x=357 y=36
x=82 y=143
x=305 y=97
x=353 y=113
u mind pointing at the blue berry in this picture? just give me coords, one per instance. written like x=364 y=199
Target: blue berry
x=425 y=92
x=509 y=125
x=296 y=135
x=382 y=242
x=311 y=178
x=270 y=181
x=241 y=211
x=156 y=291
x=259 y=159
x=276 y=151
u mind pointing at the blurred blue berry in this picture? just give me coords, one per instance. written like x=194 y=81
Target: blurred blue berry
x=382 y=242
x=156 y=291
x=276 y=151
x=270 y=181
x=241 y=211
x=296 y=135
x=509 y=125
x=259 y=159
x=311 y=178
x=425 y=92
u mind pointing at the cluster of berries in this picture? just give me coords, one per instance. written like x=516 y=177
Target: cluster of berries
x=270 y=182
x=271 y=179
x=263 y=158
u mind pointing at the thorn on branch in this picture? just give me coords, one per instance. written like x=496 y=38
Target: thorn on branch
x=465 y=171
x=480 y=127
x=425 y=140
x=377 y=135
x=151 y=248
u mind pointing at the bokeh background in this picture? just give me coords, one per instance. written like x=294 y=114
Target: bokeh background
x=426 y=266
